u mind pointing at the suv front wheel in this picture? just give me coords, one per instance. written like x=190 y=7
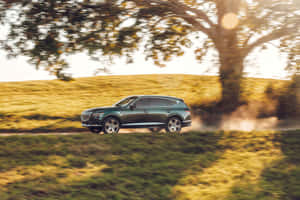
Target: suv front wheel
x=111 y=125
x=174 y=125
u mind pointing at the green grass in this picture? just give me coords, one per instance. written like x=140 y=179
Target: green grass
x=210 y=165
x=38 y=106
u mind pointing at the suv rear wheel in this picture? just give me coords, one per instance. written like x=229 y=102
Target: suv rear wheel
x=96 y=130
x=155 y=129
x=111 y=125
x=174 y=125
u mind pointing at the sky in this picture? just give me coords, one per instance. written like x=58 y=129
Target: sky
x=266 y=64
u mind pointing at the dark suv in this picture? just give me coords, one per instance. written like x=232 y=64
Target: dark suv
x=153 y=112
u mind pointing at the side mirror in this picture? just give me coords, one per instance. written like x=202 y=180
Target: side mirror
x=132 y=107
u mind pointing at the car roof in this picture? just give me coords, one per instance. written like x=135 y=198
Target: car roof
x=158 y=96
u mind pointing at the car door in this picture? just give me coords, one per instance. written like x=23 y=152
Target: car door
x=158 y=110
x=136 y=114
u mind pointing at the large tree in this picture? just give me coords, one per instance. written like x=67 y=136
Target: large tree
x=48 y=30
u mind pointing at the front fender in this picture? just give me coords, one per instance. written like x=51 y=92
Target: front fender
x=115 y=114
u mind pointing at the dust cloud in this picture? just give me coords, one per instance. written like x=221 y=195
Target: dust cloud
x=199 y=125
x=245 y=118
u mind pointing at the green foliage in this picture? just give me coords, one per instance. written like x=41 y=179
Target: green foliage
x=280 y=180
x=136 y=166
x=230 y=166
x=47 y=31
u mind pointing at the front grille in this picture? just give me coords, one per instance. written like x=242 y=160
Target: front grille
x=85 y=116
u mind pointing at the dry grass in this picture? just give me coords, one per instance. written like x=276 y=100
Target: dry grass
x=56 y=105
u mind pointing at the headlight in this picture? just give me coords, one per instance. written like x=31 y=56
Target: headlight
x=98 y=115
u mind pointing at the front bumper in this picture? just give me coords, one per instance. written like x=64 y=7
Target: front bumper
x=90 y=119
x=91 y=122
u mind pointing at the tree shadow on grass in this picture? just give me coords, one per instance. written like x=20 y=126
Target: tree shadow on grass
x=47 y=117
x=41 y=118
x=139 y=166
x=281 y=179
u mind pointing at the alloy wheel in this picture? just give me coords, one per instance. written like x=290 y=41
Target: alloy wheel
x=111 y=125
x=174 y=125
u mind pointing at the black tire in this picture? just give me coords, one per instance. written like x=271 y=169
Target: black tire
x=155 y=129
x=111 y=125
x=174 y=125
x=96 y=130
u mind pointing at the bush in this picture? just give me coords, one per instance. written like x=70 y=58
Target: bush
x=289 y=100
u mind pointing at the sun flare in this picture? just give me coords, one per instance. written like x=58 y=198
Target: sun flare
x=230 y=21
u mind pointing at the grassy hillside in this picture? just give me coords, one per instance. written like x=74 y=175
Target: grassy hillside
x=206 y=166
x=56 y=105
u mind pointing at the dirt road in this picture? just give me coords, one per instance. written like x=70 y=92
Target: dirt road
x=124 y=131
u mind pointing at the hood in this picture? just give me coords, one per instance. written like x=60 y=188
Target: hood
x=99 y=109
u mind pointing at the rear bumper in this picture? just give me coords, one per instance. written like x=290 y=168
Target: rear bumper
x=186 y=123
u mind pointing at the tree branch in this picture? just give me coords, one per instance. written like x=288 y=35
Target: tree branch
x=180 y=10
x=269 y=37
x=258 y=23
x=200 y=14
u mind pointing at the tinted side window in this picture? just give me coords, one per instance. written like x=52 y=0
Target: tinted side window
x=161 y=102
x=142 y=103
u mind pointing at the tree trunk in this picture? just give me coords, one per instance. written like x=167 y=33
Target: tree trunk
x=230 y=75
x=230 y=71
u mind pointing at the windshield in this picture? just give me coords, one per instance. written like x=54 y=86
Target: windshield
x=125 y=101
